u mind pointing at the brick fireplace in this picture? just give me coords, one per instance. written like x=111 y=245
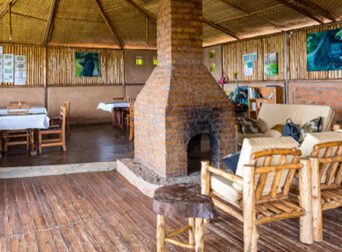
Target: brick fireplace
x=180 y=99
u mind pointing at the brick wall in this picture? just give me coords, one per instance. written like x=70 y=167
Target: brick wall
x=318 y=92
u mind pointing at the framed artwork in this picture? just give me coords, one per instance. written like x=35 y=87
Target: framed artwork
x=271 y=64
x=87 y=64
x=324 y=50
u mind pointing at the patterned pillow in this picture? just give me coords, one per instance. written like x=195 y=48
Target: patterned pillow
x=315 y=125
x=249 y=125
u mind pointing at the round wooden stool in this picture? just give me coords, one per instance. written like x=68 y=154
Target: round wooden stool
x=182 y=201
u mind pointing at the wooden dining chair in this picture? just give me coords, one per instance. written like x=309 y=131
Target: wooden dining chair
x=119 y=115
x=326 y=163
x=130 y=119
x=54 y=136
x=55 y=122
x=16 y=137
x=264 y=190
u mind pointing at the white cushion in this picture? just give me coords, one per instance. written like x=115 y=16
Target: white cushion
x=312 y=139
x=253 y=145
x=273 y=114
x=226 y=190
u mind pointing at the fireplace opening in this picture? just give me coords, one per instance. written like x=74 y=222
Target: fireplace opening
x=200 y=147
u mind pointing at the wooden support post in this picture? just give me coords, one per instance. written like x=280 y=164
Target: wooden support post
x=250 y=234
x=305 y=202
x=191 y=222
x=199 y=240
x=205 y=178
x=160 y=233
x=316 y=200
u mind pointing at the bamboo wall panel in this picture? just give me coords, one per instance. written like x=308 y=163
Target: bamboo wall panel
x=61 y=70
x=35 y=63
x=233 y=52
x=298 y=65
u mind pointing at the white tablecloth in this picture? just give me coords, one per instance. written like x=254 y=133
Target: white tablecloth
x=36 y=119
x=108 y=106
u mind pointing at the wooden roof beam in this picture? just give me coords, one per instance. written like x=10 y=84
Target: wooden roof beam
x=142 y=10
x=323 y=12
x=291 y=4
x=251 y=13
x=50 y=22
x=109 y=25
x=153 y=18
x=220 y=28
x=5 y=7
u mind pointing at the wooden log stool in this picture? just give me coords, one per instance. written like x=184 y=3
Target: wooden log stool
x=182 y=201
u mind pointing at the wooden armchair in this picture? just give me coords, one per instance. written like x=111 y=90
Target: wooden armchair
x=326 y=162
x=264 y=190
x=51 y=133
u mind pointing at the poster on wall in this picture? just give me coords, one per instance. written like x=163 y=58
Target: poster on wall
x=271 y=64
x=20 y=70
x=324 y=50
x=248 y=60
x=248 y=70
x=1 y=62
x=8 y=68
x=87 y=64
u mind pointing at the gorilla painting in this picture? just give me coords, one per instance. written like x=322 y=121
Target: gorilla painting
x=324 y=50
x=87 y=64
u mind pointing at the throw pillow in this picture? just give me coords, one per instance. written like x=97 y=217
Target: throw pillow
x=315 y=125
x=231 y=161
x=249 y=125
x=278 y=127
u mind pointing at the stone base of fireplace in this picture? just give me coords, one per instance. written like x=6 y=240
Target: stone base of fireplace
x=146 y=180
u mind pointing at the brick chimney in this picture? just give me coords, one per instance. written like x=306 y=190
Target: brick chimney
x=181 y=99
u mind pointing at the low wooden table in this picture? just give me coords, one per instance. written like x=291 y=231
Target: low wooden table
x=182 y=201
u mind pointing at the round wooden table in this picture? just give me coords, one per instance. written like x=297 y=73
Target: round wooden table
x=182 y=201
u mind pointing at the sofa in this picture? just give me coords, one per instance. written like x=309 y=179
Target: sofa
x=273 y=114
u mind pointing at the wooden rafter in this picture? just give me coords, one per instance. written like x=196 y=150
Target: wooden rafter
x=323 y=12
x=291 y=4
x=142 y=10
x=153 y=18
x=220 y=28
x=5 y=7
x=50 y=22
x=251 y=13
x=110 y=26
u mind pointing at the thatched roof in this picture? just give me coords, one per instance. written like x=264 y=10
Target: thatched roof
x=131 y=23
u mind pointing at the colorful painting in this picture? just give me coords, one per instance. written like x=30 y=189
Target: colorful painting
x=271 y=64
x=87 y=64
x=324 y=50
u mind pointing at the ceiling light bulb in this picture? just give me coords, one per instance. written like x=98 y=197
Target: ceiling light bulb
x=10 y=37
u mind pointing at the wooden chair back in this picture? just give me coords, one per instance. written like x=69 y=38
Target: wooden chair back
x=329 y=157
x=66 y=104
x=63 y=115
x=118 y=99
x=274 y=173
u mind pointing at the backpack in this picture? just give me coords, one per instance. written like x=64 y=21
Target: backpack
x=292 y=130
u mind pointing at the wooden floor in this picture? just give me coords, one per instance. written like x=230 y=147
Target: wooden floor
x=103 y=212
x=89 y=143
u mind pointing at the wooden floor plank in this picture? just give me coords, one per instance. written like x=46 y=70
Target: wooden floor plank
x=103 y=212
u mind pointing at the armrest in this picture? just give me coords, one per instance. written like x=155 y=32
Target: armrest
x=226 y=175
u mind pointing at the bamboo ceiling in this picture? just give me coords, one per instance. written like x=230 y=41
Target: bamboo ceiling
x=131 y=23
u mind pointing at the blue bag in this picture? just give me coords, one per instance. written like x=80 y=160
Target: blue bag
x=292 y=130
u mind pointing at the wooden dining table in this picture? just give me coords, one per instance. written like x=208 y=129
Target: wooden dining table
x=118 y=110
x=35 y=118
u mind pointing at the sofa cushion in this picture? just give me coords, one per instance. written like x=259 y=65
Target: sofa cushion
x=315 y=125
x=257 y=144
x=273 y=114
x=312 y=139
x=249 y=125
x=226 y=190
